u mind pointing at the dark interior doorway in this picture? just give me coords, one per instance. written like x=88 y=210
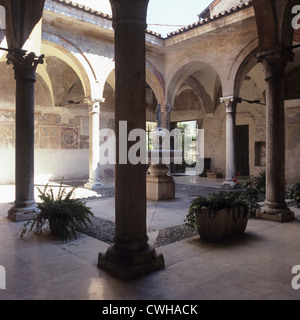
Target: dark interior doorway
x=242 y=150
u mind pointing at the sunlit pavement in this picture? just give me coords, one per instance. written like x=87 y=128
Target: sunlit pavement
x=257 y=265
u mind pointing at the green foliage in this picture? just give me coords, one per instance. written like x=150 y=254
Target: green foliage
x=217 y=201
x=259 y=182
x=253 y=191
x=294 y=193
x=63 y=214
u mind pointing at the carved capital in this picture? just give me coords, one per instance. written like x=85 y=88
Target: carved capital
x=24 y=64
x=167 y=109
x=231 y=103
x=275 y=61
x=94 y=104
x=165 y=114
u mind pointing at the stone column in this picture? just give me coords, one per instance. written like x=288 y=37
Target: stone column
x=130 y=256
x=94 y=144
x=275 y=69
x=25 y=75
x=231 y=105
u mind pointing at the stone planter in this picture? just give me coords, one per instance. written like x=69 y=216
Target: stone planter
x=216 y=225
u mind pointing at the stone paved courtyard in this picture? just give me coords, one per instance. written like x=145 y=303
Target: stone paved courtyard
x=254 y=266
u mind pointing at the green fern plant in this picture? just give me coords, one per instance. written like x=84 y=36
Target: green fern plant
x=215 y=202
x=63 y=214
x=294 y=193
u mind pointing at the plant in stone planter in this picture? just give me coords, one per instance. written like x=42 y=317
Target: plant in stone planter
x=62 y=213
x=218 y=216
x=260 y=182
x=294 y=193
x=253 y=191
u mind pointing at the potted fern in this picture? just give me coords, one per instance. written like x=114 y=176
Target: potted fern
x=63 y=214
x=218 y=216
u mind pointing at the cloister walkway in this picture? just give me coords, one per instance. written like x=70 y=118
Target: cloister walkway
x=256 y=265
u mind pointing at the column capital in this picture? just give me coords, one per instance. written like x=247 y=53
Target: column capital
x=129 y=11
x=277 y=54
x=275 y=61
x=165 y=115
x=167 y=108
x=94 y=104
x=231 y=103
x=24 y=64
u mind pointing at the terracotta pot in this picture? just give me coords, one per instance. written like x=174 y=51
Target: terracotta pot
x=215 y=225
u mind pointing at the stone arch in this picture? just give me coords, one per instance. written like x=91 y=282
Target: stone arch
x=44 y=95
x=188 y=67
x=92 y=69
x=243 y=63
x=274 y=23
x=107 y=75
x=194 y=84
x=41 y=71
x=153 y=78
x=53 y=49
x=110 y=77
x=155 y=81
x=287 y=32
x=292 y=84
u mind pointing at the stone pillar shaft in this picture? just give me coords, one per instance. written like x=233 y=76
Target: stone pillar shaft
x=275 y=69
x=94 y=145
x=275 y=134
x=24 y=152
x=231 y=105
x=130 y=256
x=25 y=76
x=130 y=102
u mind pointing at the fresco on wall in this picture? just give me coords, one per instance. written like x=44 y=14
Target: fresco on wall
x=50 y=132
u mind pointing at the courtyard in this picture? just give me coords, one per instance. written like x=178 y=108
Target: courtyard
x=255 y=266
x=73 y=76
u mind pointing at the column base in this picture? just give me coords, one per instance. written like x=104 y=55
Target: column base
x=160 y=188
x=129 y=265
x=281 y=213
x=94 y=185
x=229 y=184
x=22 y=214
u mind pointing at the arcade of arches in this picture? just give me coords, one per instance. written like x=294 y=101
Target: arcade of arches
x=206 y=73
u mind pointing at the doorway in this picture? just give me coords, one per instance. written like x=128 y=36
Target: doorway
x=242 y=150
